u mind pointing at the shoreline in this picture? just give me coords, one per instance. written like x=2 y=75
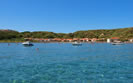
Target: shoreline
x=54 y=42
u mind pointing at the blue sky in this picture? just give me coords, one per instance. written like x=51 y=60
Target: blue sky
x=65 y=15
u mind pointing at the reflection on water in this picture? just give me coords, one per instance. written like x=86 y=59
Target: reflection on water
x=64 y=63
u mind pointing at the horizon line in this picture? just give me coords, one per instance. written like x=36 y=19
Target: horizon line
x=65 y=32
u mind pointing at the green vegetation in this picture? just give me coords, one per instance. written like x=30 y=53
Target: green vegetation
x=15 y=36
x=8 y=34
x=122 y=33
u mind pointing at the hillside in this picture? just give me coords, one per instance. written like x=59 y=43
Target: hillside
x=124 y=33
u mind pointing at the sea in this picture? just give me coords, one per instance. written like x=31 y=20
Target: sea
x=65 y=63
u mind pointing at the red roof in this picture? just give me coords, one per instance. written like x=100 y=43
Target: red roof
x=115 y=38
x=57 y=39
x=69 y=39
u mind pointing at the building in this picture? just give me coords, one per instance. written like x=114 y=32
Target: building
x=115 y=39
x=130 y=40
x=108 y=40
x=94 y=39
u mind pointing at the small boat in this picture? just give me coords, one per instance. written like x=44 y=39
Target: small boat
x=117 y=43
x=76 y=44
x=27 y=43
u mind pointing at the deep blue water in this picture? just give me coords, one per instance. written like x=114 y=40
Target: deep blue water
x=64 y=63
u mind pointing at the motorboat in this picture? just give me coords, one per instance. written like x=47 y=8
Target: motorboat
x=76 y=44
x=117 y=43
x=27 y=43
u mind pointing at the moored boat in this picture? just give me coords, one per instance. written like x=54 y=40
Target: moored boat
x=117 y=43
x=76 y=44
x=27 y=43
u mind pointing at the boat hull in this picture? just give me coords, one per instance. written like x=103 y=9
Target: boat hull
x=117 y=43
x=77 y=44
x=28 y=44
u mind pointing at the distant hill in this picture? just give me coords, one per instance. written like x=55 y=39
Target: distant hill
x=8 y=34
x=104 y=33
x=7 y=30
x=124 y=33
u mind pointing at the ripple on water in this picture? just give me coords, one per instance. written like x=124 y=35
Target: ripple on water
x=63 y=63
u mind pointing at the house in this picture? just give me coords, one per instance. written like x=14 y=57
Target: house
x=46 y=40
x=94 y=39
x=130 y=40
x=57 y=39
x=69 y=40
x=108 y=40
x=75 y=39
x=114 y=39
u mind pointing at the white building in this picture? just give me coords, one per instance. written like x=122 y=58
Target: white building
x=131 y=40
x=108 y=40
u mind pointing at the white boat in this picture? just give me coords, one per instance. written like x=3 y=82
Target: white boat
x=76 y=44
x=117 y=43
x=27 y=43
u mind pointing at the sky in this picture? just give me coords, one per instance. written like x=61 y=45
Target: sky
x=65 y=16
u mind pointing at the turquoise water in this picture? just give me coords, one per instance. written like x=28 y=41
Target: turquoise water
x=64 y=63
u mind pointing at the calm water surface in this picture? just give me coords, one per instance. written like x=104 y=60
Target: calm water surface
x=64 y=63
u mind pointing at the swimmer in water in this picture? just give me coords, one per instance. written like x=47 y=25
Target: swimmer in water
x=8 y=44
x=37 y=48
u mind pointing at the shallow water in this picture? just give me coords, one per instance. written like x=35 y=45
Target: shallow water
x=64 y=63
